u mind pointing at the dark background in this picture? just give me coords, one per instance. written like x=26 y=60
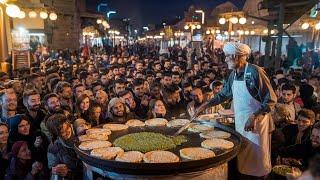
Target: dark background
x=144 y=12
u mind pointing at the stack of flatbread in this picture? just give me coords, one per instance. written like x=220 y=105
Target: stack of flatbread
x=89 y=145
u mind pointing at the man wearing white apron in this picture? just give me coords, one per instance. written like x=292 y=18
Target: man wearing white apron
x=253 y=99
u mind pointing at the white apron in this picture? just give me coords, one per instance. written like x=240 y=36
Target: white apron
x=254 y=157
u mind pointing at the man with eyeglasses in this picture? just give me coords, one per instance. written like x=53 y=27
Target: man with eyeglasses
x=253 y=100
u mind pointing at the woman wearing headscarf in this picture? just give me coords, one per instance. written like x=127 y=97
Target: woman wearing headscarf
x=19 y=126
x=21 y=166
x=253 y=100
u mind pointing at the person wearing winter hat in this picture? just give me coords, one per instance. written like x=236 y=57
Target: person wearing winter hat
x=21 y=166
x=118 y=111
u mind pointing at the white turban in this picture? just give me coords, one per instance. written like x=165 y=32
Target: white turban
x=236 y=48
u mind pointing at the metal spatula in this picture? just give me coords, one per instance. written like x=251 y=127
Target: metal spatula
x=191 y=112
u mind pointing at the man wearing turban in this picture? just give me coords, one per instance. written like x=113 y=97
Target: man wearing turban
x=253 y=100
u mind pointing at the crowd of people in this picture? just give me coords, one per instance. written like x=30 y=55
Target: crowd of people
x=44 y=108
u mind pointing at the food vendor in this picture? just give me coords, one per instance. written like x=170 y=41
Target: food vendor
x=253 y=99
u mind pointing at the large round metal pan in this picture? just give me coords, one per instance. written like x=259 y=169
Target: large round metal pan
x=184 y=166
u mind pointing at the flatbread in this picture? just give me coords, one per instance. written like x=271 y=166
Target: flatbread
x=196 y=153
x=93 y=131
x=85 y=137
x=116 y=127
x=89 y=145
x=135 y=123
x=215 y=134
x=156 y=122
x=178 y=122
x=217 y=144
x=106 y=153
x=130 y=156
x=160 y=157
x=200 y=128
x=208 y=117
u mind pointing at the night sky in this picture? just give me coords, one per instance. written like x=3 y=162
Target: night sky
x=144 y=12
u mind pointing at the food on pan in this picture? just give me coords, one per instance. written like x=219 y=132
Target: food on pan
x=94 y=131
x=89 y=145
x=199 y=128
x=145 y=142
x=115 y=127
x=196 y=153
x=282 y=170
x=130 y=156
x=178 y=123
x=90 y=137
x=178 y=140
x=160 y=157
x=208 y=117
x=135 y=123
x=217 y=144
x=156 y=122
x=215 y=134
x=106 y=153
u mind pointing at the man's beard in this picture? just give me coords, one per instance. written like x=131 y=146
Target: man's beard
x=11 y=107
x=34 y=108
x=55 y=110
x=118 y=115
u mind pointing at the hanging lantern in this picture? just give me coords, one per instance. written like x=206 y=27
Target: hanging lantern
x=198 y=26
x=305 y=25
x=43 y=15
x=208 y=32
x=53 y=16
x=193 y=26
x=186 y=27
x=218 y=31
x=232 y=33
x=242 y=20
x=12 y=10
x=99 y=21
x=252 y=32
x=105 y=23
x=222 y=20
x=234 y=20
x=213 y=31
x=32 y=14
x=265 y=31
x=22 y=15
x=247 y=32
x=226 y=33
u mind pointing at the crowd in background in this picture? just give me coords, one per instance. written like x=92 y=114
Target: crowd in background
x=45 y=107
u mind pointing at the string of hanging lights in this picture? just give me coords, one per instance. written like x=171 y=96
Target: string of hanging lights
x=14 y=11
